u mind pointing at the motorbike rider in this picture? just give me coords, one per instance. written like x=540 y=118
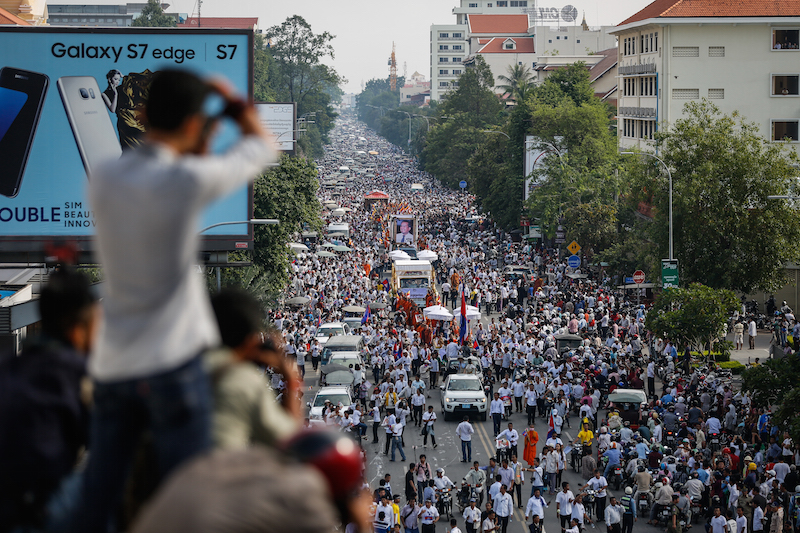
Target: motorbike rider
x=441 y=482
x=476 y=478
x=643 y=482
x=671 y=419
x=604 y=440
x=663 y=499
x=614 y=457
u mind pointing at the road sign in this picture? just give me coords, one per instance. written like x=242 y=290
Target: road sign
x=638 y=277
x=629 y=281
x=560 y=234
x=574 y=261
x=669 y=273
x=462 y=184
x=574 y=247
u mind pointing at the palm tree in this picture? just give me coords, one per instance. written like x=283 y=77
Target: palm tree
x=518 y=81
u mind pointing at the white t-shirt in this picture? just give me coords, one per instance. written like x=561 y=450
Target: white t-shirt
x=564 y=499
x=598 y=485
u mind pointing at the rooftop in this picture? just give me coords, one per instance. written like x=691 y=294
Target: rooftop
x=605 y=64
x=495 y=46
x=244 y=23
x=9 y=19
x=716 y=8
x=498 y=24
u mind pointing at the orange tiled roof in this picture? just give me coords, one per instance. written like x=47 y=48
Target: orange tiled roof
x=717 y=8
x=495 y=46
x=8 y=18
x=498 y=24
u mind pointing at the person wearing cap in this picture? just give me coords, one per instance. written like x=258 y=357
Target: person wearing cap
x=428 y=516
x=472 y=516
x=628 y=511
x=396 y=509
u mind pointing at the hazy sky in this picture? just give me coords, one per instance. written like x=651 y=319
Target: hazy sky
x=365 y=29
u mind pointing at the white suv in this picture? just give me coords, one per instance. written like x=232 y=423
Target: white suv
x=331 y=329
x=463 y=393
x=337 y=395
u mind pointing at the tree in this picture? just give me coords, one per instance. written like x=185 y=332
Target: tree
x=448 y=149
x=773 y=385
x=593 y=226
x=152 y=16
x=518 y=81
x=695 y=315
x=726 y=232
x=474 y=96
x=571 y=82
x=287 y=193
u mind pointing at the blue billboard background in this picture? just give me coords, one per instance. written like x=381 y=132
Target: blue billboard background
x=51 y=201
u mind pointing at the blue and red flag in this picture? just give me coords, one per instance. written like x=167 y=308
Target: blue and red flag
x=552 y=427
x=366 y=316
x=462 y=329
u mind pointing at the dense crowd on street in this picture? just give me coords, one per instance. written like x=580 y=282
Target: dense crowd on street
x=193 y=421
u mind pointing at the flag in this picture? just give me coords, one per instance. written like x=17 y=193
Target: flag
x=319 y=320
x=475 y=344
x=462 y=329
x=366 y=316
x=552 y=427
x=397 y=350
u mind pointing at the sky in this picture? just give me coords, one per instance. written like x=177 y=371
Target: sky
x=366 y=29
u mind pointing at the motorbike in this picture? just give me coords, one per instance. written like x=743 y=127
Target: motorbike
x=713 y=442
x=697 y=510
x=615 y=477
x=588 y=502
x=643 y=504
x=576 y=457
x=466 y=493
x=444 y=502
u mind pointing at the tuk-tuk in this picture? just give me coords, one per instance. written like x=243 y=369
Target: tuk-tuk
x=568 y=342
x=337 y=376
x=629 y=404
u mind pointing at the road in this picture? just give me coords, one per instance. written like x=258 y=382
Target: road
x=447 y=455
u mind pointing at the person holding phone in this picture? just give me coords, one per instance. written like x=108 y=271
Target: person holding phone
x=146 y=365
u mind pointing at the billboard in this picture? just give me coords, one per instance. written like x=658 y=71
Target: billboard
x=72 y=97
x=280 y=118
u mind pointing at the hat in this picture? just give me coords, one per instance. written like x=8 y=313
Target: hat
x=473 y=500
x=751 y=466
x=771 y=473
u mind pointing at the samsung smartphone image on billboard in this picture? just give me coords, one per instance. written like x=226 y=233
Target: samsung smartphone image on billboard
x=88 y=117
x=22 y=95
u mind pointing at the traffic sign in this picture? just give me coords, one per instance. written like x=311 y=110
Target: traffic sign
x=574 y=247
x=669 y=273
x=573 y=261
x=638 y=277
x=462 y=184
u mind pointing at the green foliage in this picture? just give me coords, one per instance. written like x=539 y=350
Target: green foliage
x=288 y=193
x=773 y=384
x=474 y=97
x=726 y=232
x=518 y=82
x=288 y=67
x=593 y=226
x=570 y=82
x=153 y=16
x=695 y=315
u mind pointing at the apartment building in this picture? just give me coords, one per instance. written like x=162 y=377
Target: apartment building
x=744 y=56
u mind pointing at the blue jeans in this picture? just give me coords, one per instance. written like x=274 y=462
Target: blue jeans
x=466 y=450
x=609 y=468
x=397 y=444
x=175 y=406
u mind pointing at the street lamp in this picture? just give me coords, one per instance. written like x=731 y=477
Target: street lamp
x=262 y=221
x=497 y=131
x=671 y=257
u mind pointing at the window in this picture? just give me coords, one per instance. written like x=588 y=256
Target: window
x=785 y=85
x=519 y=3
x=578 y=41
x=473 y=5
x=443 y=47
x=502 y=3
x=454 y=84
x=509 y=45
x=456 y=72
x=716 y=94
x=685 y=51
x=457 y=47
x=456 y=60
x=566 y=37
x=444 y=36
x=550 y=40
x=647 y=86
x=443 y=72
x=489 y=5
x=716 y=51
x=788 y=39
x=443 y=60
x=655 y=45
x=783 y=130
x=685 y=94
x=558 y=37
x=457 y=36
x=442 y=84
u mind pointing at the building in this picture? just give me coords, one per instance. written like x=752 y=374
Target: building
x=240 y=23
x=120 y=15
x=33 y=12
x=501 y=32
x=415 y=85
x=744 y=56
x=9 y=19
x=603 y=76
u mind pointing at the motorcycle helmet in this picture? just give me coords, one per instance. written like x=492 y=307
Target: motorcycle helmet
x=659 y=485
x=641 y=468
x=751 y=467
x=797 y=489
x=603 y=430
x=440 y=470
x=726 y=450
x=666 y=481
x=628 y=491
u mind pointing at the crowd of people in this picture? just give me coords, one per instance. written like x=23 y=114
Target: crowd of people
x=183 y=432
